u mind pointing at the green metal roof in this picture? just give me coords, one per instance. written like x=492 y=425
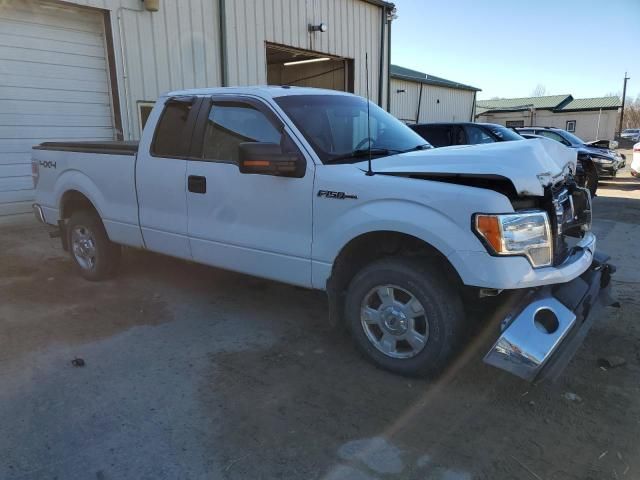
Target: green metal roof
x=593 y=103
x=550 y=102
x=557 y=103
x=403 y=73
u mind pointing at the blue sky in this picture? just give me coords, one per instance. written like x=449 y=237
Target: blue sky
x=506 y=48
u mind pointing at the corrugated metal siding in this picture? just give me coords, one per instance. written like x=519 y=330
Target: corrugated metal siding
x=174 y=48
x=354 y=29
x=586 y=122
x=445 y=105
x=439 y=104
x=178 y=46
x=404 y=104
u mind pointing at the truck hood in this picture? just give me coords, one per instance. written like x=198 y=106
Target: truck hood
x=530 y=165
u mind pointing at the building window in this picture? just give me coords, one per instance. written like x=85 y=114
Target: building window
x=515 y=123
x=144 y=110
x=571 y=126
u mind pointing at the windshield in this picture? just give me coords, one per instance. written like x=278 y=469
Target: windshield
x=336 y=127
x=503 y=133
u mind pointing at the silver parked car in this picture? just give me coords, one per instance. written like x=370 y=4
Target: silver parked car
x=632 y=134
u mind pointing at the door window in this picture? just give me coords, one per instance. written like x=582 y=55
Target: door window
x=459 y=136
x=436 y=135
x=553 y=136
x=172 y=135
x=477 y=135
x=231 y=123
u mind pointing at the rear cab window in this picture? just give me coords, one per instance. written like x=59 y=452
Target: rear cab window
x=172 y=138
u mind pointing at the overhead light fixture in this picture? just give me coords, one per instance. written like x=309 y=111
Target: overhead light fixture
x=310 y=60
x=322 y=27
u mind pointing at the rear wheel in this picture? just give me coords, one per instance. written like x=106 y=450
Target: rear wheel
x=404 y=317
x=94 y=256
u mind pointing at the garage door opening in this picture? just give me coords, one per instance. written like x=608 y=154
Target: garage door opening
x=303 y=68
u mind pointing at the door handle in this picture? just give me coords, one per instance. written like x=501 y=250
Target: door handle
x=197 y=184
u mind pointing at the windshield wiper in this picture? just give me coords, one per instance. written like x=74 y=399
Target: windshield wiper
x=424 y=146
x=363 y=152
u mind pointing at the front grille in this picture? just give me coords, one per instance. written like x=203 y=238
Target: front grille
x=570 y=215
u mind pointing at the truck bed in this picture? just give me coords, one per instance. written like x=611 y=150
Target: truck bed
x=112 y=147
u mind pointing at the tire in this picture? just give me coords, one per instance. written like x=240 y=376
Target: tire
x=94 y=256
x=591 y=179
x=441 y=328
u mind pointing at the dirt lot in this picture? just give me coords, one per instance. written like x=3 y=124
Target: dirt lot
x=196 y=373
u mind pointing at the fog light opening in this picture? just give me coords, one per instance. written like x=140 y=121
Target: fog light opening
x=546 y=321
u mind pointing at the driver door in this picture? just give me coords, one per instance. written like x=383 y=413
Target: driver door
x=252 y=223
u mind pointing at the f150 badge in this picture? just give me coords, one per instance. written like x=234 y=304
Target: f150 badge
x=338 y=195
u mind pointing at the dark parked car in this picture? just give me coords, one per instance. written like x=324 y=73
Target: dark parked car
x=463 y=133
x=596 y=158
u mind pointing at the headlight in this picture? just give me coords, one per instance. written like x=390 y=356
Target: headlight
x=601 y=159
x=524 y=233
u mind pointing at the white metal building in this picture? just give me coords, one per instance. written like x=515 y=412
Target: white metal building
x=417 y=97
x=90 y=69
x=589 y=118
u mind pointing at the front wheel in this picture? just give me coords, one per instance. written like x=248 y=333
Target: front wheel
x=95 y=257
x=591 y=179
x=404 y=317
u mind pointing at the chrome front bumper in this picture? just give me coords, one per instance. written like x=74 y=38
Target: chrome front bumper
x=544 y=331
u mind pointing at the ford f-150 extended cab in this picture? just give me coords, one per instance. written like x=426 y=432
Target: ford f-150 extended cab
x=325 y=190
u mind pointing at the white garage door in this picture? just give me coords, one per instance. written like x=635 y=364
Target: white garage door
x=53 y=86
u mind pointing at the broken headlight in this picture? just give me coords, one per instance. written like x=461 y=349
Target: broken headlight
x=523 y=233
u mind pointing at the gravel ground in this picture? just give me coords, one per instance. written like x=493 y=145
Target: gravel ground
x=196 y=373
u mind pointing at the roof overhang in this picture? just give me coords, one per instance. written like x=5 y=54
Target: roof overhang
x=381 y=3
x=427 y=81
x=592 y=109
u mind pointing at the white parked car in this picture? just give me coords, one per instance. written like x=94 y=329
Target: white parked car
x=635 y=163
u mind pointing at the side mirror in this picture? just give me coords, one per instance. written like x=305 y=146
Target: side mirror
x=269 y=159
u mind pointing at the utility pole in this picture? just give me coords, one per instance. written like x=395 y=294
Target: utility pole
x=624 y=96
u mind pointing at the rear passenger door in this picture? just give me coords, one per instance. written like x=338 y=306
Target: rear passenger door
x=436 y=135
x=161 y=170
x=255 y=224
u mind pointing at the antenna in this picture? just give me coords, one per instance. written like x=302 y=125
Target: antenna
x=366 y=68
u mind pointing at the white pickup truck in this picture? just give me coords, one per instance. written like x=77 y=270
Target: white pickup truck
x=307 y=187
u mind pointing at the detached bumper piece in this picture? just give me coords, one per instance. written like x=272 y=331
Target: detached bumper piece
x=546 y=329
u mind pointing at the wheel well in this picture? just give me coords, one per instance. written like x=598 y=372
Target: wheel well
x=73 y=201
x=372 y=246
